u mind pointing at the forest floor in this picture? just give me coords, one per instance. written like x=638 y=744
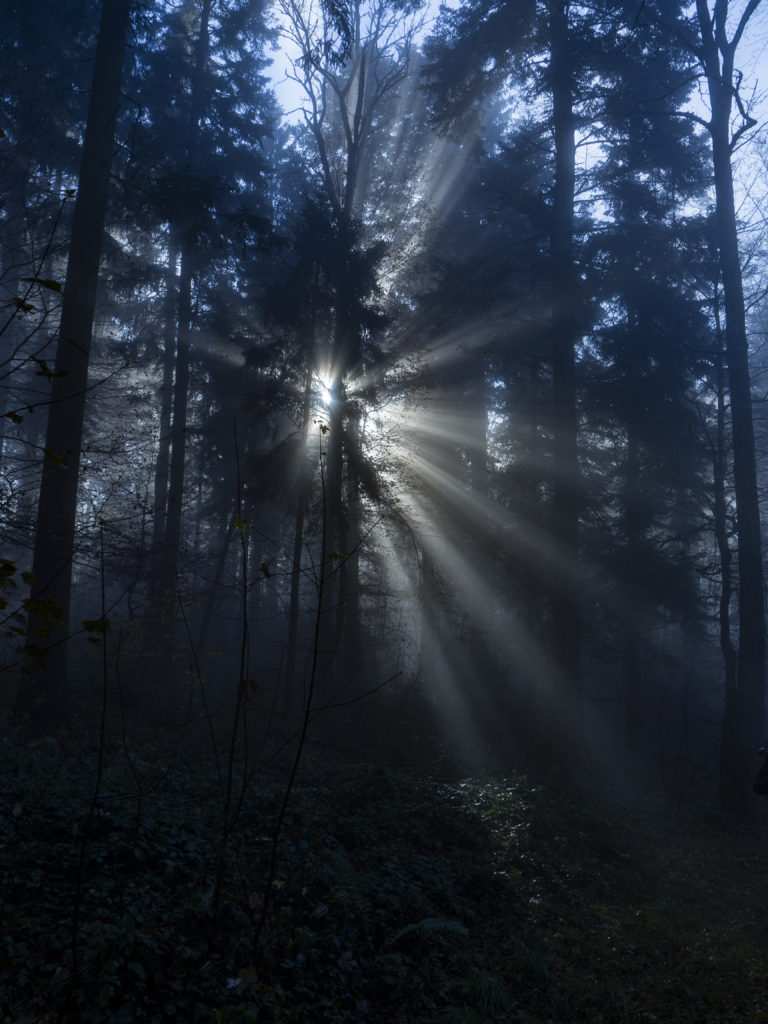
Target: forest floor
x=398 y=898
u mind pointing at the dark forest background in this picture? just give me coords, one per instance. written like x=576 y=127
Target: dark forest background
x=412 y=407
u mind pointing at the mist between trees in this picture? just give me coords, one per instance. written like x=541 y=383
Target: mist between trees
x=433 y=410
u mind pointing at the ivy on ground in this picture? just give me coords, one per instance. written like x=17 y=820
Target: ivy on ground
x=398 y=898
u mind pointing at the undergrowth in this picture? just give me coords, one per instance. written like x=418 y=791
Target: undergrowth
x=397 y=898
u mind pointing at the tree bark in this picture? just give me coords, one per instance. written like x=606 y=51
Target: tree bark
x=167 y=552
x=162 y=464
x=566 y=628
x=633 y=536
x=730 y=730
x=163 y=602
x=172 y=539
x=717 y=55
x=44 y=694
x=288 y=693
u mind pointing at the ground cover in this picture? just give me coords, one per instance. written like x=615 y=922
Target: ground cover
x=398 y=896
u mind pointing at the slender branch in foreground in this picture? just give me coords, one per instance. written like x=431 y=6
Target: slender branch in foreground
x=269 y=884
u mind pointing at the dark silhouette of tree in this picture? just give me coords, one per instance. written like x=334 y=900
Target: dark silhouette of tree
x=199 y=180
x=606 y=80
x=351 y=75
x=44 y=694
x=42 y=82
x=645 y=357
x=745 y=705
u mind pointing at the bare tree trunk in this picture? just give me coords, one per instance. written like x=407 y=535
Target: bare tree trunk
x=162 y=640
x=717 y=55
x=730 y=732
x=48 y=624
x=349 y=569
x=492 y=681
x=332 y=623
x=302 y=492
x=172 y=539
x=215 y=583
x=162 y=465
x=566 y=626
x=169 y=549
x=634 y=716
x=373 y=70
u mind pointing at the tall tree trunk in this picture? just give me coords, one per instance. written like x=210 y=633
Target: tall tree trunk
x=162 y=464
x=490 y=682
x=163 y=605
x=731 y=727
x=332 y=623
x=48 y=625
x=172 y=539
x=214 y=584
x=717 y=56
x=349 y=569
x=566 y=626
x=288 y=691
x=633 y=534
x=169 y=549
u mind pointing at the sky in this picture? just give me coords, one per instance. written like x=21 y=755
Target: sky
x=752 y=61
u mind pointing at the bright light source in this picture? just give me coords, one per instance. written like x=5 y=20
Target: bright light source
x=323 y=389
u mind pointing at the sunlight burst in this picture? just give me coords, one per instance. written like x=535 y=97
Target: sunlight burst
x=324 y=389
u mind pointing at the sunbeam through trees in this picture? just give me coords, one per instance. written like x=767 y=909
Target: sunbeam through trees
x=382 y=397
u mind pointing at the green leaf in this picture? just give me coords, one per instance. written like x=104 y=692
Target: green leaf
x=14 y=417
x=45 y=282
x=46 y=371
x=23 y=305
x=29 y=578
x=240 y=524
x=96 y=625
x=57 y=460
x=49 y=612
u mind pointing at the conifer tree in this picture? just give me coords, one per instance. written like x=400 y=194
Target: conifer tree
x=44 y=694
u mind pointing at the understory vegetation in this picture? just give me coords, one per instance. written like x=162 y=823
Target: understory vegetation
x=401 y=892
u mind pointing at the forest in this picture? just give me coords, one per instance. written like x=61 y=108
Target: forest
x=382 y=486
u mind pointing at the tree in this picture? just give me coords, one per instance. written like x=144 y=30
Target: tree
x=49 y=604
x=576 y=77
x=745 y=704
x=199 y=183
x=645 y=265
x=353 y=62
x=565 y=327
x=42 y=82
x=501 y=40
